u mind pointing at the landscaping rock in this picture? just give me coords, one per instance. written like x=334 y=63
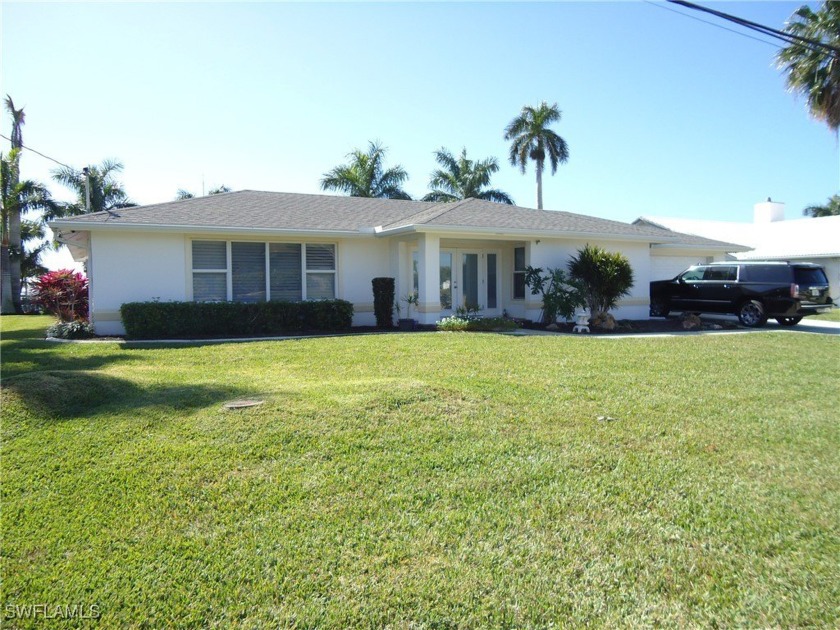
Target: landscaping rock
x=553 y=327
x=604 y=321
x=692 y=322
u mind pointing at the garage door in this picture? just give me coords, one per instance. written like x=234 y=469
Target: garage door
x=667 y=267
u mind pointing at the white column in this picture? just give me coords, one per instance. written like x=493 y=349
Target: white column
x=428 y=250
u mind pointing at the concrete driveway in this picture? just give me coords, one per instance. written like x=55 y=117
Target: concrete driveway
x=807 y=325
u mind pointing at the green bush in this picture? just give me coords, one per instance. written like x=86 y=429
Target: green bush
x=173 y=320
x=383 y=302
x=606 y=277
x=471 y=323
x=561 y=295
x=77 y=329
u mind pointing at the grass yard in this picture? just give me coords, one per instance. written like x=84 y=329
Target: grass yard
x=432 y=480
x=832 y=316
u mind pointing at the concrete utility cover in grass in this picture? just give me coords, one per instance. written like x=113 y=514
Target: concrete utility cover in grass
x=242 y=404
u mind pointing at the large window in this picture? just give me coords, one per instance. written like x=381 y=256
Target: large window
x=519 y=273
x=255 y=272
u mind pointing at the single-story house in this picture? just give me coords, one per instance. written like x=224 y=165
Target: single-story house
x=768 y=237
x=252 y=245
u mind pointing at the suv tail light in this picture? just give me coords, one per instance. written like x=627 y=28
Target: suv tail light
x=794 y=290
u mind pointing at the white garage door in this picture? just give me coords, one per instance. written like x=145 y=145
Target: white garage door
x=667 y=267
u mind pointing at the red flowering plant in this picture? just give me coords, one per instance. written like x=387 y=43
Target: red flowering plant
x=63 y=293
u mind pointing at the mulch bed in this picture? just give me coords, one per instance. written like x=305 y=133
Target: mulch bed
x=624 y=326
x=643 y=326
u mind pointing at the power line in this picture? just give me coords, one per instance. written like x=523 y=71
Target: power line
x=697 y=19
x=39 y=153
x=789 y=38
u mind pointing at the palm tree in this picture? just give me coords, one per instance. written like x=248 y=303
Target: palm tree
x=16 y=199
x=13 y=216
x=106 y=193
x=462 y=178
x=186 y=194
x=364 y=176
x=829 y=209
x=33 y=234
x=532 y=139
x=814 y=70
x=18 y=120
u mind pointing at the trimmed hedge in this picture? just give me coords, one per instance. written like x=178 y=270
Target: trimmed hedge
x=383 y=302
x=179 y=320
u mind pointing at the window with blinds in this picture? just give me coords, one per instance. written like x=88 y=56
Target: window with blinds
x=248 y=272
x=255 y=272
x=209 y=263
x=320 y=272
x=285 y=270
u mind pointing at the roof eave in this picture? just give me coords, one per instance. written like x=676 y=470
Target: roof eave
x=462 y=230
x=720 y=247
x=79 y=226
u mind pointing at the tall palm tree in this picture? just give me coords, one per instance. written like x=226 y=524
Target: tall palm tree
x=531 y=139
x=829 y=209
x=106 y=193
x=16 y=199
x=18 y=120
x=13 y=215
x=462 y=178
x=364 y=176
x=812 y=70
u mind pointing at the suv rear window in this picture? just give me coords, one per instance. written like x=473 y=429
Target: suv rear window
x=721 y=272
x=765 y=273
x=808 y=276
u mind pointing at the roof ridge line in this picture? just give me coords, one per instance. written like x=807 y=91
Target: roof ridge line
x=447 y=206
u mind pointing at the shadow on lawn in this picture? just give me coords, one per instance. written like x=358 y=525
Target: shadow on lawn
x=24 y=356
x=70 y=394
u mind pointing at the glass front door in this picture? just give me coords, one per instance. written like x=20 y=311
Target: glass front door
x=468 y=279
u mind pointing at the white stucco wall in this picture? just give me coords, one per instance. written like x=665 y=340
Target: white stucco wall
x=131 y=267
x=137 y=267
x=360 y=261
x=556 y=253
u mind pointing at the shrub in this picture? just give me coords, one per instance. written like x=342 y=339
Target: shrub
x=471 y=323
x=63 y=293
x=561 y=295
x=383 y=302
x=71 y=330
x=606 y=277
x=170 y=320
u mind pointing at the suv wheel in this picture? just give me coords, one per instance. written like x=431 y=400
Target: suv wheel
x=788 y=321
x=752 y=314
x=659 y=308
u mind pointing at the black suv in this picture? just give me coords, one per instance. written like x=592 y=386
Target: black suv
x=753 y=291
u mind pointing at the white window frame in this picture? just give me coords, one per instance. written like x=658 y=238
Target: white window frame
x=228 y=270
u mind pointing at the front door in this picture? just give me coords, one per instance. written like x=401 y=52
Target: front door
x=468 y=280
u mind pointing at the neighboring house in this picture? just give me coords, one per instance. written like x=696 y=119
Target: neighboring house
x=768 y=237
x=250 y=246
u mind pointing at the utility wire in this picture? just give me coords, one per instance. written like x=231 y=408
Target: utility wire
x=692 y=17
x=789 y=38
x=39 y=153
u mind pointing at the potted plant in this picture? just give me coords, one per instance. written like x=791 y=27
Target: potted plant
x=407 y=323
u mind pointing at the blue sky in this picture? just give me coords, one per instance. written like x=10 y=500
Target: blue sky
x=663 y=114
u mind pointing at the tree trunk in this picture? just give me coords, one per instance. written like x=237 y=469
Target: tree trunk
x=539 y=185
x=14 y=258
x=7 y=305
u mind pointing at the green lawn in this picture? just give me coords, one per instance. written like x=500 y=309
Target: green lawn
x=832 y=316
x=428 y=480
